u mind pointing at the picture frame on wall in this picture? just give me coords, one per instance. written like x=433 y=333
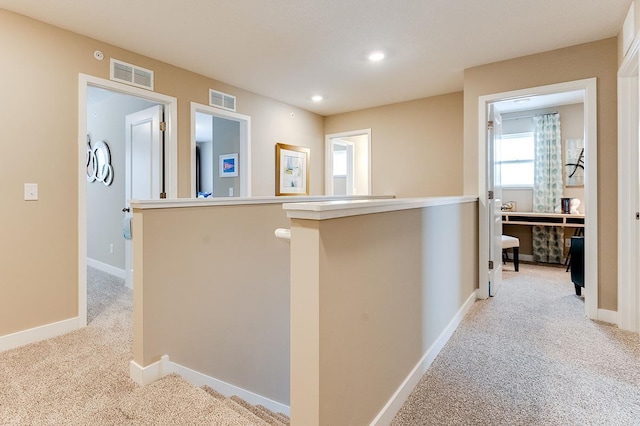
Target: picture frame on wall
x=574 y=162
x=228 y=165
x=292 y=170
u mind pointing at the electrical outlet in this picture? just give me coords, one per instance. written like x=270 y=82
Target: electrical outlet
x=111 y=248
x=567 y=242
x=231 y=192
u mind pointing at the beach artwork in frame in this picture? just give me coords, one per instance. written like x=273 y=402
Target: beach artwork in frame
x=292 y=170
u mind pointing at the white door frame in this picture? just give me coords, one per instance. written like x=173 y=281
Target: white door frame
x=244 y=157
x=591 y=183
x=171 y=164
x=628 y=197
x=328 y=158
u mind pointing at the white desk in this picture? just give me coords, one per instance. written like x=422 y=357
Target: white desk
x=543 y=219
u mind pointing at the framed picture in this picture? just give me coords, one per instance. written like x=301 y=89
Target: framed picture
x=229 y=165
x=574 y=162
x=292 y=170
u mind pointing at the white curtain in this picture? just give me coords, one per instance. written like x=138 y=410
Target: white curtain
x=547 y=187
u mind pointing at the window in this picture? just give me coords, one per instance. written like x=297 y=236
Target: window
x=516 y=159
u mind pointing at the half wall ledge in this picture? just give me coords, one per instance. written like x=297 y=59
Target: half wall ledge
x=322 y=210
x=237 y=201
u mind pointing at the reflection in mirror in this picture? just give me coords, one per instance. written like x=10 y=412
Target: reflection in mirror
x=219 y=141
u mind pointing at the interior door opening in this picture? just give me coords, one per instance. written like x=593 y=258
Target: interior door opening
x=577 y=100
x=342 y=169
x=220 y=142
x=130 y=127
x=348 y=163
x=102 y=224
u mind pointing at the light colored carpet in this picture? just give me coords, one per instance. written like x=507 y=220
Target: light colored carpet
x=529 y=356
x=525 y=357
x=82 y=378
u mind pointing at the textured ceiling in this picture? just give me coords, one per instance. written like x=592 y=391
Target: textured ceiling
x=292 y=49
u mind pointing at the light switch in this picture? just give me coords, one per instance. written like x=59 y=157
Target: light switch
x=30 y=191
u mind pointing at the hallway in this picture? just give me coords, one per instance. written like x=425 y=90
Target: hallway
x=529 y=356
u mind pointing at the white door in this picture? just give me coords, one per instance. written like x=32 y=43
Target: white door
x=494 y=186
x=144 y=178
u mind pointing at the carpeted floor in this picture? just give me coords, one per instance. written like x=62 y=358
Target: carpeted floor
x=525 y=357
x=529 y=356
x=82 y=378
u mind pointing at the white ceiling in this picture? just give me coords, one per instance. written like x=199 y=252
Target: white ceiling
x=291 y=50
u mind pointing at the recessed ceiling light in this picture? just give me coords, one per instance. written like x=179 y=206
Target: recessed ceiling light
x=376 y=56
x=316 y=98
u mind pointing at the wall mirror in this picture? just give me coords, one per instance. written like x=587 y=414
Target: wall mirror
x=99 y=166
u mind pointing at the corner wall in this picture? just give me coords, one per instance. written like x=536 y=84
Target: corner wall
x=372 y=295
x=416 y=146
x=220 y=306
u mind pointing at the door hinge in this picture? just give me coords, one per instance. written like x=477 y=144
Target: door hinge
x=163 y=126
x=163 y=195
x=490 y=125
x=491 y=265
x=637 y=215
x=490 y=195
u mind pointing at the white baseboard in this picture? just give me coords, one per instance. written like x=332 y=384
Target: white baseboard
x=524 y=257
x=109 y=269
x=391 y=408
x=608 y=316
x=145 y=375
x=37 y=334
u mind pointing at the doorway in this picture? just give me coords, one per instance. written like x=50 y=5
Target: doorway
x=105 y=202
x=220 y=153
x=348 y=163
x=587 y=90
x=107 y=113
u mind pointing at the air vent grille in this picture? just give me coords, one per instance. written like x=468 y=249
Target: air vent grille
x=222 y=100
x=131 y=74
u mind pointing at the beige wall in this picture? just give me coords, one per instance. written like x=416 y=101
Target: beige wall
x=597 y=59
x=38 y=144
x=370 y=294
x=416 y=146
x=221 y=307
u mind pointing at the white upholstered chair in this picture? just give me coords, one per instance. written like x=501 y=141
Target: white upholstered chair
x=509 y=242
